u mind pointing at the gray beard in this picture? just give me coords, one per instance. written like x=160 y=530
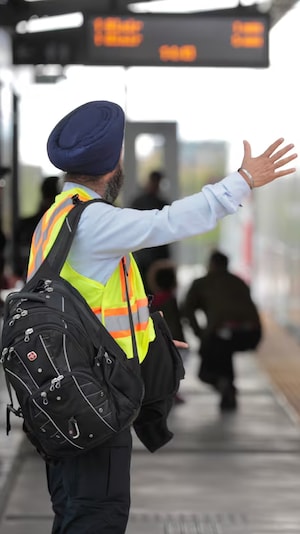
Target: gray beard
x=114 y=185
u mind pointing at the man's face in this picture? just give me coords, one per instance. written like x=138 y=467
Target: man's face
x=114 y=185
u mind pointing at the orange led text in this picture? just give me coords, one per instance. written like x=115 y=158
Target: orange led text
x=175 y=53
x=248 y=34
x=117 y=32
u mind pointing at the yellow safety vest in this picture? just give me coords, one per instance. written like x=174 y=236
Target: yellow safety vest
x=107 y=301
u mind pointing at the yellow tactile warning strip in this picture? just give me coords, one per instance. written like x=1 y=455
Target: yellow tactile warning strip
x=279 y=356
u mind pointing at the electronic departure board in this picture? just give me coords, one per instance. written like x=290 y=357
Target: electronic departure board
x=179 y=40
x=152 y=40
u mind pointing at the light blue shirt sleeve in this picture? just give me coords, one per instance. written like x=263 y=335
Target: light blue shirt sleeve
x=106 y=233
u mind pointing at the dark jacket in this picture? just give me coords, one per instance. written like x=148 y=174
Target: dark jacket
x=224 y=298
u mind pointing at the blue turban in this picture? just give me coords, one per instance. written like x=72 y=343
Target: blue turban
x=89 y=139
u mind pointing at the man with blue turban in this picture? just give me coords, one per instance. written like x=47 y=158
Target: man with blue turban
x=91 y=493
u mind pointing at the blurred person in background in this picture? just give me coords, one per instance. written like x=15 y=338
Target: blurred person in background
x=151 y=198
x=162 y=283
x=232 y=325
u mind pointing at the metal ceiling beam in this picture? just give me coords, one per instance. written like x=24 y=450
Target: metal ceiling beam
x=15 y=10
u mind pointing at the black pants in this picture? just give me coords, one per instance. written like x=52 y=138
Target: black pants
x=90 y=493
x=216 y=361
x=217 y=355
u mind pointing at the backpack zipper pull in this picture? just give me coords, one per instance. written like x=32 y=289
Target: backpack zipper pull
x=56 y=382
x=73 y=429
x=28 y=333
x=3 y=354
x=102 y=354
x=45 y=398
x=10 y=351
x=107 y=358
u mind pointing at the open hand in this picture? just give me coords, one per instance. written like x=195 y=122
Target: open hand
x=265 y=168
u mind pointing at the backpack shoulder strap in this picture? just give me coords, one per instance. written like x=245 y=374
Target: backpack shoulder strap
x=60 y=249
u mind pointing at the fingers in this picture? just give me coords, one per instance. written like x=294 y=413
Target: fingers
x=284 y=172
x=273 y=147
x=282 y=152
x=284 y=161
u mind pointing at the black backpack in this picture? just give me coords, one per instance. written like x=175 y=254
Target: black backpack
x=74 y=384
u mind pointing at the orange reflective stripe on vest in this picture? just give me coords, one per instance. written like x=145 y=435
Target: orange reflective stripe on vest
x=116 y=319
x=42 y=235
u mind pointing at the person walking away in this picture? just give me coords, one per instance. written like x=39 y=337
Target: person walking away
x=232 y=324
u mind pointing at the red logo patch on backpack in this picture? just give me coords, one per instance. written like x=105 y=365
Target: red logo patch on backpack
x=32 y=356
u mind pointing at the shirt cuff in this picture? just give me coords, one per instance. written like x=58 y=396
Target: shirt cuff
x=236 y=185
